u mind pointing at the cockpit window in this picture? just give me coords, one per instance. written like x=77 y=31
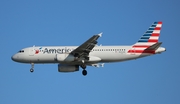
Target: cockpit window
x=21 y=51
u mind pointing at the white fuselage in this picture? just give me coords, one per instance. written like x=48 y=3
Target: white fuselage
x=48 y=54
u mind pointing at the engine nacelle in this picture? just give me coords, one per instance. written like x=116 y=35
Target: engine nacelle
x=68 y=68
x=65 y=57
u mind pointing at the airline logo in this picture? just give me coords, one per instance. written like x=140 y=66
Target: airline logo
x=52 y=50
x=37 y=50
x=149 y=38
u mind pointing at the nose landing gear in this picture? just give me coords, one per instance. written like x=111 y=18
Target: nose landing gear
x=32 y=67
x=31 y=70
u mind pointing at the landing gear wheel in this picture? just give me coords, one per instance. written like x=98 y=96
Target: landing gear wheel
x=31 y=70
x=84 y=72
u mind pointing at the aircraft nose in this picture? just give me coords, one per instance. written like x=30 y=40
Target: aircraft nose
x=14 y=57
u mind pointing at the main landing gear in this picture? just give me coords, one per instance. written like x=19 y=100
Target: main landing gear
x=84 y=72
x=32 y=67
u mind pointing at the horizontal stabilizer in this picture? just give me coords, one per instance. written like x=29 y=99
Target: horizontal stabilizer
x=154 y=46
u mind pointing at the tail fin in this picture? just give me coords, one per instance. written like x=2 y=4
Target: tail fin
x=152 y=34
x=148 y=43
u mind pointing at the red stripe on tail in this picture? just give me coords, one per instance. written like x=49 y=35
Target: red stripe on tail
x=159 y=22
x=155 y=34
x=157 y=28
x=152 y=40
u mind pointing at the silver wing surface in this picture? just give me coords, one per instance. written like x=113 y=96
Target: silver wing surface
x=84 y=49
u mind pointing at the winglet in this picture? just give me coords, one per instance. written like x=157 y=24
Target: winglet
x=100 y=34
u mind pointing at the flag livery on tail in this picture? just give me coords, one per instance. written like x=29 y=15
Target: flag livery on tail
x=148 y=43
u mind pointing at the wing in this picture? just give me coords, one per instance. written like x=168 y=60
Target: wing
x=84 y=49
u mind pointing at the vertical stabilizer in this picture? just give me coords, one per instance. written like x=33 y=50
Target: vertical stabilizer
x=150 y=37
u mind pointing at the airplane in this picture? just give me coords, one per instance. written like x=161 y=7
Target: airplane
x=71 y=58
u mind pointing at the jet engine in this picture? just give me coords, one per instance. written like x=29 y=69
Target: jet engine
x=68 y=68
